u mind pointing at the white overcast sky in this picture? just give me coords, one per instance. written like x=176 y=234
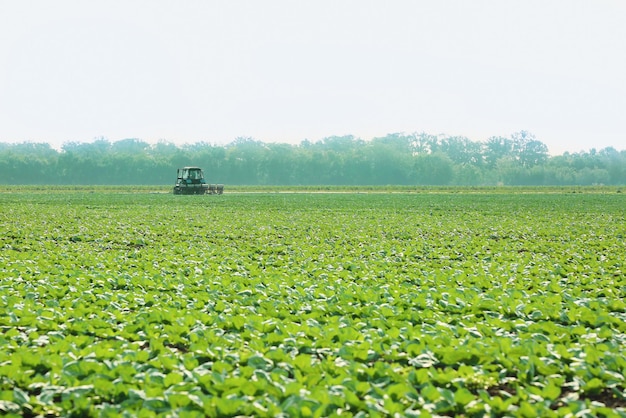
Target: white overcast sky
x=288 y=70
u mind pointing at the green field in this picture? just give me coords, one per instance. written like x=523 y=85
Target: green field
x=122 y=302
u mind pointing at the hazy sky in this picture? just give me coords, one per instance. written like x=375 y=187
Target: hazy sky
x=288 y=70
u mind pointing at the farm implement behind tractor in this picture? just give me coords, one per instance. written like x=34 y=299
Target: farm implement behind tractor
x=190 y=180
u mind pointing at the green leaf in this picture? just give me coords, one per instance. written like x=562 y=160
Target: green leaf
x=353 y=400
x=302 y=362
x=228 y=407
x=593 y=386
x=463 y=396
x=430 y=393
x=259 y=362
x=551 y=391
x=527 y=410
x=173 y=378
x=20 y=397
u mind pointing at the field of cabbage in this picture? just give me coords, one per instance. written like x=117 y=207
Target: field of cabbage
x=313 y=304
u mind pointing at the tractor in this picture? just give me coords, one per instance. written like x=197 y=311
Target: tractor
x=190 y=180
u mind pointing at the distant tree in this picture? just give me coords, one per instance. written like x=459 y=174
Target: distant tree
x=461 y=150
x=510 y=172
x=468 y=175
x=615 y=164
x=100 y=146
x=388 y=161
x=399 y=142
x=244 y=161
x=495 y=148
x=422 y=143
x=279 y=164
x=592 y=176
x=130 y=146
x=527 y=150
x=433 y=169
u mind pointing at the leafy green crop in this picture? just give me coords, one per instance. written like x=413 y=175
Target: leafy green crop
x=338 y=304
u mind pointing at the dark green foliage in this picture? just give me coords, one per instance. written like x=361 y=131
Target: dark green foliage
x=396 y=159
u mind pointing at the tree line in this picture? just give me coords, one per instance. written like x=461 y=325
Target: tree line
x=395 y=159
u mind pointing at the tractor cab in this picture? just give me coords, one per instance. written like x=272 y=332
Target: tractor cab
x=191 y=175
